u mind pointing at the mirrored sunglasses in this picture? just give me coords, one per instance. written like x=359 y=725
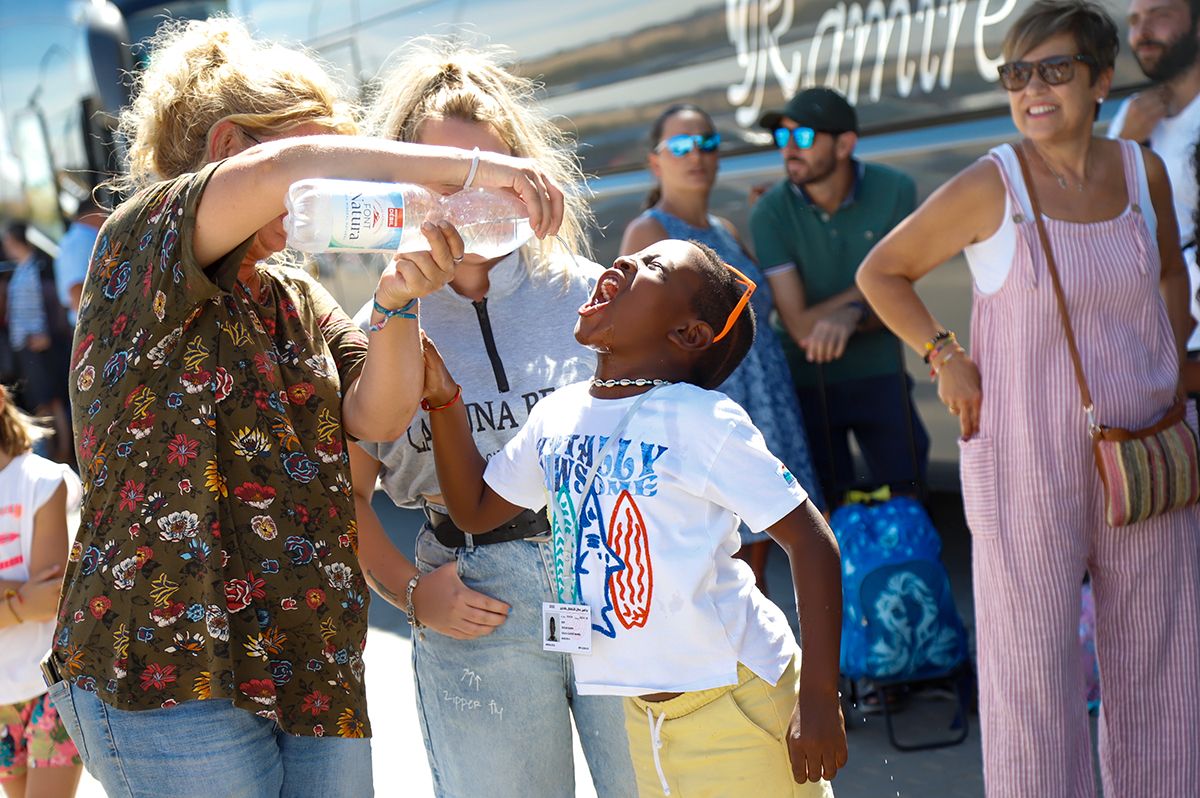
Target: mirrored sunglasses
x=741 y=303
x=1054 y=71
x=803 y=136
x=680 y=146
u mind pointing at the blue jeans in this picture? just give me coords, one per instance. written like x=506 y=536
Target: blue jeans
x=496 y=711
x=207 y=748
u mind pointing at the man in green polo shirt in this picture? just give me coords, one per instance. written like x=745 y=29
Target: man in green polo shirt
x=811 y=231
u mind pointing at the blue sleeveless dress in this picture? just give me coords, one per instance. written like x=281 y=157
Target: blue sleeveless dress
x=762 y=383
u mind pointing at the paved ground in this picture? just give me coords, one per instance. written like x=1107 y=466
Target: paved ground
x=876 y=769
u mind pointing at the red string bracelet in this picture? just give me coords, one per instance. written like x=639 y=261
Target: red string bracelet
x=428 y=408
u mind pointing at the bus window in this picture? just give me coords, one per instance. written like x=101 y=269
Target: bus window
x=32 y=146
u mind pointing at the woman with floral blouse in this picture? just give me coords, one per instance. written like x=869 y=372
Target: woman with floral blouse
x=214 y=614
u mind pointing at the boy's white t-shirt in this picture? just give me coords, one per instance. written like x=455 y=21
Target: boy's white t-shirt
x=1174 y=140
x=26 y=483
x=672 y=608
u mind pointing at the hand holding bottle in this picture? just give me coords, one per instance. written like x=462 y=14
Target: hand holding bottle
x=542 y=197
x=412 y=275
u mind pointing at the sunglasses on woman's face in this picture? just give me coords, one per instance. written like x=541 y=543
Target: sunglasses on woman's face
x=1054 y=71
x=803 y=136
x=681 y=146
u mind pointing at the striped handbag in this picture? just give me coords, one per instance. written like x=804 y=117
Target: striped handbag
x=1146 y=472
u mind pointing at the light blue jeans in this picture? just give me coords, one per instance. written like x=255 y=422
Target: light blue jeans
x=203 y=749
x=496 y=711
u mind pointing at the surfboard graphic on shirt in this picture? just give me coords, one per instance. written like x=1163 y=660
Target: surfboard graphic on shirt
x=631 y=587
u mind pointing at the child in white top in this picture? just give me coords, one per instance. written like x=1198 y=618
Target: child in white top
x=646 y=526
x=37 y=756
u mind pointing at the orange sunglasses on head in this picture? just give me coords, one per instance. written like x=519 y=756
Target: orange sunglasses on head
x=741 y=303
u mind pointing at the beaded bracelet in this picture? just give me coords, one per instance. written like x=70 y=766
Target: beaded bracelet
x=389 y=314
x=940 y=337
x=428 y=408
x=933 y=354
x=935 y=367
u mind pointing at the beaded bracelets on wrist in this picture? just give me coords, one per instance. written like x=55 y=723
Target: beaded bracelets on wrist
x=388 y=314
x=935 y=344
x=940 y=350
x=935 y=365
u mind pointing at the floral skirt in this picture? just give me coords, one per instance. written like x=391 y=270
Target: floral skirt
x=32 y=736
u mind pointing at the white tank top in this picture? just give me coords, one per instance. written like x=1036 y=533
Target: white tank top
x=26 y=484
x=991 y=258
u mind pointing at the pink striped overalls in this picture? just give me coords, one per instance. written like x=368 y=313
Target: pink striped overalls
x=1034 y=504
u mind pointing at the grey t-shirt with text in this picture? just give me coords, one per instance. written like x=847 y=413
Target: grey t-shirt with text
x=532 y=319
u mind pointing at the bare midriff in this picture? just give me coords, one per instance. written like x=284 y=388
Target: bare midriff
x=659 y=696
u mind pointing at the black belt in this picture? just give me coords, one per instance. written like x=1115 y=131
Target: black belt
x=526 y=525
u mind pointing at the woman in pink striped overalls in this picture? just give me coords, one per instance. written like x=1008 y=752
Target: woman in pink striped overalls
x=1031 y=489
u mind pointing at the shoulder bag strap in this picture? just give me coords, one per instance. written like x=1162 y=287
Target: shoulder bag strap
x=1086 y=395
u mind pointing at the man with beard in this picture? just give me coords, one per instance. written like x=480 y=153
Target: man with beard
x=811 y=231
x=1166 y=118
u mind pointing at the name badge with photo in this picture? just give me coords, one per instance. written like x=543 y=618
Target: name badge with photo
x=567 y=628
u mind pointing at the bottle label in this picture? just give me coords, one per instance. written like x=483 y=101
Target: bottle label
x=371 y=222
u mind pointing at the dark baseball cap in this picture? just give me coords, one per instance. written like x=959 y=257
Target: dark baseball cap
x=821 y=109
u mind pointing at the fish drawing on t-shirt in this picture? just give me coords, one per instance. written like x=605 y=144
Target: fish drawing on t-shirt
x=596 y=562
x=615 y=564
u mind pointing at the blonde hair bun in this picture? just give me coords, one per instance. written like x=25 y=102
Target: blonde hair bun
x=202 y=72
x=438 y=77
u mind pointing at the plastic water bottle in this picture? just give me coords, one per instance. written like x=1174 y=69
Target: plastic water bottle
x=325 y=215
x=491 y=222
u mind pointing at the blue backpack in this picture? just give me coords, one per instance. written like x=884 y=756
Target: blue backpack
x=899 y=622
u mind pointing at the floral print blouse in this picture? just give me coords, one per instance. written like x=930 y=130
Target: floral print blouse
x=217 y=552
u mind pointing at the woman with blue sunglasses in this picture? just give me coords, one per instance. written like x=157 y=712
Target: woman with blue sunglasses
x=683 y=157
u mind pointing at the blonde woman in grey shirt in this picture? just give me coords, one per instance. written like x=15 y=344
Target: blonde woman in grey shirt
x=505 y=326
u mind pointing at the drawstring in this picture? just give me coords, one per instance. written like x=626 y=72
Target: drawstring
x=656 y=744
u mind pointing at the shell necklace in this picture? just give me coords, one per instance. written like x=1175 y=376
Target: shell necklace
x=626 y=383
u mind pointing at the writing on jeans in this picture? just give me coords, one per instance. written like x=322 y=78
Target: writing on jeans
x=473 y=681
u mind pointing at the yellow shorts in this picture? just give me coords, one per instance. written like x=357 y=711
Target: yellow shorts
x=726 y=742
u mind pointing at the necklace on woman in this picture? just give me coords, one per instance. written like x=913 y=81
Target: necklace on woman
x=1062 y=181
x=626 y=383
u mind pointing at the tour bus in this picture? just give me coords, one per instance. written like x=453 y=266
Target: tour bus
x=922 y=74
